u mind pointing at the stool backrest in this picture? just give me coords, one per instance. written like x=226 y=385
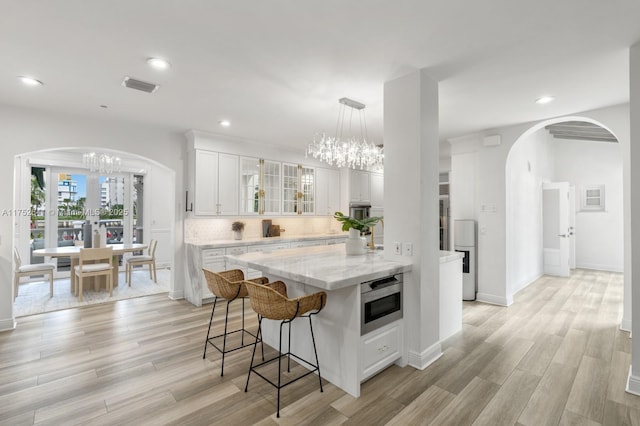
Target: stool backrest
x=226 y=284
x=270 y=304
x=152 y=248
x=16 y=258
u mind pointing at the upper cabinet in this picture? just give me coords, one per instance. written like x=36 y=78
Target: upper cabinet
x=377 y=190
x=359 y=186
x=259 y=186
x=298 y=189
x=214 y=183
x=327 y=191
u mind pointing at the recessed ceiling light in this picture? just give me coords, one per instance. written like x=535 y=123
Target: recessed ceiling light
x=158 y=63
x=30 y=81
x=544 y=99
x=224 y=123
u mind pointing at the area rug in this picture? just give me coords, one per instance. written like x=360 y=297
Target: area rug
x=33 y=297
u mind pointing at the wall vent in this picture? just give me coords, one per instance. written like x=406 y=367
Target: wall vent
x=132 y=83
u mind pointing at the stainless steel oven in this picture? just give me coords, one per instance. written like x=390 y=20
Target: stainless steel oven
x=359 y=211
x=381 y=302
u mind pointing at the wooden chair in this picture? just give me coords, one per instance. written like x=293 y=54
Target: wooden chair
x=30 y=271
x=272 y=302
x=148 y=259
x=228 y=285
x=94 y=262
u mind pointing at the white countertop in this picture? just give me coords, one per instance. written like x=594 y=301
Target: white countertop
x=448 y=256
x=265 y=240
x=325 y=267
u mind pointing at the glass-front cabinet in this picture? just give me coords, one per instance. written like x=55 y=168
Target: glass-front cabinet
x=259 y=186
x=298 y=189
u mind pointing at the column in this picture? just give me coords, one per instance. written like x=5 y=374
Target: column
x=411 y=212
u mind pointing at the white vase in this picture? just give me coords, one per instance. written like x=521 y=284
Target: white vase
x=355 y=244
x=237 y=235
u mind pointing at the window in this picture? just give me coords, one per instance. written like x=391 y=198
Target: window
x=593 y=198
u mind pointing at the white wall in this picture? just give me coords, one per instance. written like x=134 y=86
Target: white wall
x=599 y=235
x=25 y=130
x=494 y=225
x=530 y=163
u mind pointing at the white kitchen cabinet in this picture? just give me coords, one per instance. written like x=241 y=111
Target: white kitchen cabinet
x=308 y=243
x=298 y=189
x=268 y=247
x=327 y=191
x=212 y=259
x=359 y=186
x=229 y=264
x=381 y=348
x=377 y=190
x=259 y=186
x=215 y=183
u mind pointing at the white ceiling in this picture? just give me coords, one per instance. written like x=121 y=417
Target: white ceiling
x=276 y=69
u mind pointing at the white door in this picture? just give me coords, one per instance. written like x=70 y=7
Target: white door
x=555 y=228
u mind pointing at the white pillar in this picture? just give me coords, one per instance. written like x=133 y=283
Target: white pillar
x=411 y=212
x=633 y=384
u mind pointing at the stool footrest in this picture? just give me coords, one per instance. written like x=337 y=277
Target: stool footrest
x=235 y=348
x=284 y=355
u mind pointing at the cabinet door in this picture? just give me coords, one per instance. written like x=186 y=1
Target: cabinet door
x=271 y=187
x=206 y=183
x=359 y=186
x=249 y=185
x=306 y=204
x=289 y=188
x=228 y=184
x=377 y=190
x=327 y=191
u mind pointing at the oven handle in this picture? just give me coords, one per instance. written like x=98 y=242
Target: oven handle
x=381 y=292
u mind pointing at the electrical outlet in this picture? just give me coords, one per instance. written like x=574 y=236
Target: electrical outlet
x=397 y=248
x=407 y=249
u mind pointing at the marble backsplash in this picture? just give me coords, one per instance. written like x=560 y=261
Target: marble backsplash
x=211 y=229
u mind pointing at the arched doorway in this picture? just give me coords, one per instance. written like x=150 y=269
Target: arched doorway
x=536 y=157
x=122 y=199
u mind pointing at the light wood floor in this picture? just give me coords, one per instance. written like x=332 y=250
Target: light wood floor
x=555 y=356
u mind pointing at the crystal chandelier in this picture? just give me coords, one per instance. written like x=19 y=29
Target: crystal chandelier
x=347 y=150
x=101 y=162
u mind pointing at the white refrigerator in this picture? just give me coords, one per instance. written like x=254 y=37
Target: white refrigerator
x=464 y=234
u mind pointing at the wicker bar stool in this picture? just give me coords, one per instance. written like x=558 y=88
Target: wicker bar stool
x=272 y=302
x=228 y=285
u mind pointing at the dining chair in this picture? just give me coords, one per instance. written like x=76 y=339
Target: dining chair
x=94 y=262
x=31 y=270
x=139 y=260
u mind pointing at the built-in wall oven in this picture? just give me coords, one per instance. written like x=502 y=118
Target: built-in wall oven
x=381 y=302
x=359 y=211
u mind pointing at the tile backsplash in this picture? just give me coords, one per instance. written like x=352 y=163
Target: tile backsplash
x=211 y=229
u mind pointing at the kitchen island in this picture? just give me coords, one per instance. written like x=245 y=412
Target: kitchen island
x=346 y=356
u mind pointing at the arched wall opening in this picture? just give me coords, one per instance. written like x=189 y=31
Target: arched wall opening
x=158 y=195
x=534 y=158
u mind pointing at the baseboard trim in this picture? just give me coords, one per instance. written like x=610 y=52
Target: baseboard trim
x=597 y=267
x=633 y=384
x=7 y=324
x=494 y=300
x=625 y=325
x=176 y=295
x=425 y=358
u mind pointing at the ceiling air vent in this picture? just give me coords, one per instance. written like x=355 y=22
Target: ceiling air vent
x=132 y=83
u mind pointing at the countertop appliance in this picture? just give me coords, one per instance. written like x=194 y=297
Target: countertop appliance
x=359 y=211
x=465 y=242
x=381 y=301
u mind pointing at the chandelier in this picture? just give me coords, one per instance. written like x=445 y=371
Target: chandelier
x=101 y=162
x=349 y=150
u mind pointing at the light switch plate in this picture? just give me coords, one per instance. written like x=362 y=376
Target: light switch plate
x=407 y=249
x=397 y=248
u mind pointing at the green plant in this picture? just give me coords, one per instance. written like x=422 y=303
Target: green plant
x=361 y=225
x=237 y=226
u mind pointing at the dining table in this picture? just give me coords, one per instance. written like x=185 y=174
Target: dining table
x=73 y=252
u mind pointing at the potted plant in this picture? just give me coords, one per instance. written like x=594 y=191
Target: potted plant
x=356 y=243
x=237 y=228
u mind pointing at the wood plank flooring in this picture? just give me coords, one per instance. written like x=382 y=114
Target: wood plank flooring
x=555 y=357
